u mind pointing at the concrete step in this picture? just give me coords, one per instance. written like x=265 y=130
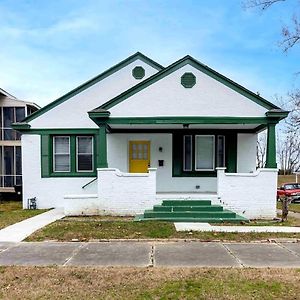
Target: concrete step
x=237 y=219
x=189 y=214
x=186 y=202
x=188 y=208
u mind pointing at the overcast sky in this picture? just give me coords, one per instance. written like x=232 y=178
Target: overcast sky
x=50 y=47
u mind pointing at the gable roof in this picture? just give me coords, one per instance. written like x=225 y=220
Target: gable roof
x=93 y=81
x=177 y=65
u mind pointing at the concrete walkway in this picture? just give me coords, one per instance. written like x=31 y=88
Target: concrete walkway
x=19 y=231
x=241 y=229
x=152 y=254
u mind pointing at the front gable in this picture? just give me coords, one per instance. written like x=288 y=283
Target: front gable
x=70 y=110
x=188 y=88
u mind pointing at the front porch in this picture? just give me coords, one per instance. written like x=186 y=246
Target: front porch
x=191 y=158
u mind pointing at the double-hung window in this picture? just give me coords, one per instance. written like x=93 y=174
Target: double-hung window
x=73 y=154
x=203 y=152
x=84 y=153
x=61 y=154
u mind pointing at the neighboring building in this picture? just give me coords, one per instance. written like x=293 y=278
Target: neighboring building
x=139 y=133
x=11 y=110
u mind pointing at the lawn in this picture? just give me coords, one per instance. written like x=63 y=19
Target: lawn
x=295 y=207
x=11 y=212
x=147 y=283
x=93 y=228
x=286 y=178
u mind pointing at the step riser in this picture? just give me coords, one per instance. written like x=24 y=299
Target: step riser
x=186 y=202
x=189 y=215
x=188 y=208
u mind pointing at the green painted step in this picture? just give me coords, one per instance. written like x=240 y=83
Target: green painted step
x=237 y=219
x=189 y=214
x=188 y=208
x=186 y=202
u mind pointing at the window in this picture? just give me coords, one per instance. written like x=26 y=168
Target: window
x=204 y=152
x=72 y=155
x=61 y=154
x=9 y=115
x=84 y=153
x=10 y=166
x=187 y=153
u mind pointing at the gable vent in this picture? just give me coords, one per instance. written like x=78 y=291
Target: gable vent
x=188 y=80
x=138 y=72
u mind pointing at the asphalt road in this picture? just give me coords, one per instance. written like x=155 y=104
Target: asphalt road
x=154 y=254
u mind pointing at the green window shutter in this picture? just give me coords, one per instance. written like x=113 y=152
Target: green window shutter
x=45 y=155
x=231 y=152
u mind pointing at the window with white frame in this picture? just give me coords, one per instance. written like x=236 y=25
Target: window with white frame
x=61 y=154
x=10 y=166
x=84 y=153
x=204 y=152
x=9 y=115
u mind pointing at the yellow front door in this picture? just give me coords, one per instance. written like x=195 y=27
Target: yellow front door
x=139 y=156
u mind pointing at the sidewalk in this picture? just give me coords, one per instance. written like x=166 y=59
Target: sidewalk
x=19 y=231
x=152 y=254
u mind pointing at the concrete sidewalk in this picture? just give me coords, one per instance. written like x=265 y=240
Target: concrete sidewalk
x=19 y=231
x=205 y=227
x=152 y=254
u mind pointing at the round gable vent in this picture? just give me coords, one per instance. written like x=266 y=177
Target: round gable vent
x=138 y=72
x=188 y=80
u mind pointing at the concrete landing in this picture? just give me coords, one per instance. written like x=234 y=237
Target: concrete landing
x=19 y=231
x=241 y=229
x=152 y=254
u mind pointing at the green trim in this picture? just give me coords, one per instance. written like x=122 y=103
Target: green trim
x=177 y=153
x=208 y=131
x=20 y=126
x=277 y=113
x=201 y=67
x=93 y=81
x=271 y=147
x=76 y=131
x=182 y=120
x=102 y=161
x=231 y=152
x=47 y=156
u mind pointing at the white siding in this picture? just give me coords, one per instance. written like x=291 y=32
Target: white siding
x=48 y=191
x=167 y=97
x=118 y=158
x=246 y=152
x=73 y=113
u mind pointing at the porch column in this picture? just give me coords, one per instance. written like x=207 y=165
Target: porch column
x=102 y=146
x=271 y=147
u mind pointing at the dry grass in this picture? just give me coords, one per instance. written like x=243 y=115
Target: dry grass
x=147 y=283
x=295 y=207
x=11 y=212
x=286 y=178
x=91 y=228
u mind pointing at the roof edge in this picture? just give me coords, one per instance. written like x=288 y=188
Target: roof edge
x=200 y=66
x=94 y=80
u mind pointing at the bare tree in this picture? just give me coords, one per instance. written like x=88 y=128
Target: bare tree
x=290 y=33
x=261 y=150
x=289 y=138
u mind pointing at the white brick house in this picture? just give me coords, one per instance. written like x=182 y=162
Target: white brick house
x=139 y=133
